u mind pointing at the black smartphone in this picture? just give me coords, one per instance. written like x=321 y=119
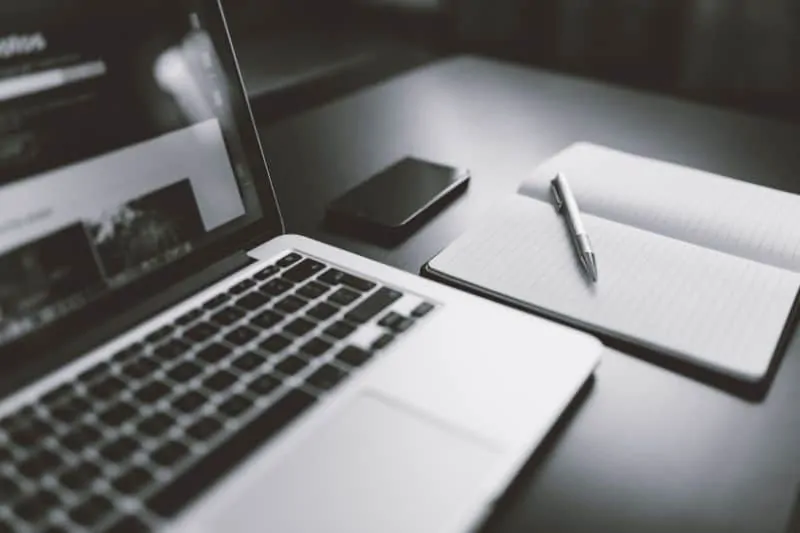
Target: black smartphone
x=394 y=203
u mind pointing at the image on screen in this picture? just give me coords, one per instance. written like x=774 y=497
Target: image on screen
x=118 y=152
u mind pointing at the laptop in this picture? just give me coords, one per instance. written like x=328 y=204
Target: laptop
x=172 y=361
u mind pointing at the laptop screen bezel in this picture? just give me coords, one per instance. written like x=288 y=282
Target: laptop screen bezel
x=139 y=293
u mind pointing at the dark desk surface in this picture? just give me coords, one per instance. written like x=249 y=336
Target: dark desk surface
x=648 y=449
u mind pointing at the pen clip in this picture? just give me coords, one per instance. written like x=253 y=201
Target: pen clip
x=556 y=197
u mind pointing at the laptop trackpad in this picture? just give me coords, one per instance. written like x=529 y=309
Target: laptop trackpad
x=374 y=466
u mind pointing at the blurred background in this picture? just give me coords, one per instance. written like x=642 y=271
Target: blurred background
x=741 y=54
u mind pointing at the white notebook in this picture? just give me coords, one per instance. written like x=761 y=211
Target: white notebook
x=691 y=264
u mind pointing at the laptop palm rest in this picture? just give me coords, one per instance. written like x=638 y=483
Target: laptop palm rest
x=371 y=464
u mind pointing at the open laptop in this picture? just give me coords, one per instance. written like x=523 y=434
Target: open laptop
x=172 y=361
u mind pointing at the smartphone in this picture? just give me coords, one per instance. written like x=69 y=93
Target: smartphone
x=394 y=203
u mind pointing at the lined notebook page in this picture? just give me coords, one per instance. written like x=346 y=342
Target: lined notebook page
x=698 y=207
x=713 y=308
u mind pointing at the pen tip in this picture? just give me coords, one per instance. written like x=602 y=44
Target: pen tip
x=593 y=268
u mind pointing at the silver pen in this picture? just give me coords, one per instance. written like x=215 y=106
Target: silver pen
x=566 y=204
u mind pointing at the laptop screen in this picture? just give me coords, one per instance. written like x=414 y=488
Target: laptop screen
x=119 y=151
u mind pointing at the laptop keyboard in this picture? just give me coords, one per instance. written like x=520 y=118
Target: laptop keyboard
x=134 y=439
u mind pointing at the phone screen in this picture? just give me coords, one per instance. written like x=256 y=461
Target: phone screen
x=397 y=195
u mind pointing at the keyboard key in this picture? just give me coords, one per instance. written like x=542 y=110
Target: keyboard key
x=119 y=449
x=204 y=429
x=132 y=481
x=267 y=273
x=91 y=511
x=140 y=368
x=422 y=309
x=373 y=305
x=34 y=508
x=303 y=270
x=128 y=524
x=59 y=393
x=126 y=354
x=173 y=498
x=242 y=287
x=201 y=332
x=291 y=365
x=264 y=385
x=344 y=296
x=97 y=371
x=241 y=335
x=170 y=453
x=9 y=488
x=337 y=277
x=354 y=356
x=403 y=325
x=159 y=334
x=20 y=418
x=339 y=330
x=71 y=410
x=118 y=414
x=390 y=320
x=107 y=388
x=187 y=318
x=227 y=316
x=171 y=350
x=326 y=377
x=313 y=290
x=220 y=381
x=383 y=341
x=25 y=437
x=235 y=405
x=291 y=304
x=31 y=433
x=80 y=438
x=267 y=319
x=299 y=327
x=217 y=301
x=357 y=283
x=249 y=361
x=38 y=464
x=289 y=260
x=253 y=301
x=54 y=528
x=190 y=402
x=316 y=347
x=331 y=276
x=5 y=527
x=81 y=476
x=156 y=425
x=184 y=372
x=275 y=343
x=323 y=311
x=213 y=353
x=152 y=392
x=276 y=287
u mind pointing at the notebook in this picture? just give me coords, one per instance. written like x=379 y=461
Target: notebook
x=691 y=264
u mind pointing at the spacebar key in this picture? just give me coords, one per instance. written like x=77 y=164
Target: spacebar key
x=174 y=497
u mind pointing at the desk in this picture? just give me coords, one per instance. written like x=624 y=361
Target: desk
x=648 y=450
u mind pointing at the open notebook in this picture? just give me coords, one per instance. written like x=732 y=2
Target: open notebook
x=690 y=264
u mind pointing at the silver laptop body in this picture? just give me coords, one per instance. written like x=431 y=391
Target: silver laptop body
x=173 y=361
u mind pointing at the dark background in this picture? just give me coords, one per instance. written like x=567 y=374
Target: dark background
x=742 y=54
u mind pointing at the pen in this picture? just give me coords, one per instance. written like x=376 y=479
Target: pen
x=566 y=204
